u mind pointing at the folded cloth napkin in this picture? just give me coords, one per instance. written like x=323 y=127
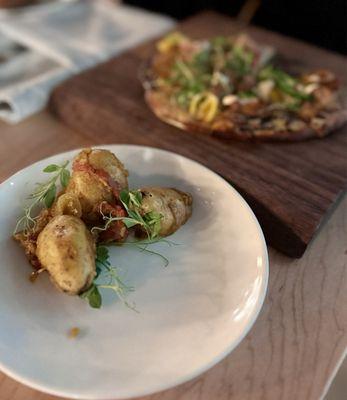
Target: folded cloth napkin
x=43 y=45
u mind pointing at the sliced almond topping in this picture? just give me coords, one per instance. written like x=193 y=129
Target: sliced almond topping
x=264 y=89
x=310 y=88
x=313 y=78
x=229 y=100
x=296 y=125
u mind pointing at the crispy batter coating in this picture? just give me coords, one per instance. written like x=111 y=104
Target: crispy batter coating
x=67 y=204
x=28 y=239
x=108 y=162
x=97 y=176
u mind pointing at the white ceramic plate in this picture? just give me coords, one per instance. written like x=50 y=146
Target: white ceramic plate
x=191 y=313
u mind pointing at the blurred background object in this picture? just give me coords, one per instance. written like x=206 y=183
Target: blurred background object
x=322 y=22
x=43 y=44
x=18 y=4
x=15 y=3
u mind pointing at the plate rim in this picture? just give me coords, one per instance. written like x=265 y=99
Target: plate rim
x=207 y=366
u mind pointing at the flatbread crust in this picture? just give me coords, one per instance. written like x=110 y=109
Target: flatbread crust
x=170 y=113
x=256 y=117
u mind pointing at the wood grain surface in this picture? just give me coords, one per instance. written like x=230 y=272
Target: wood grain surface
x=290 y=186
x=301 y=334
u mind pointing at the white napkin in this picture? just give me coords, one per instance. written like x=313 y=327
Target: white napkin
x=60 y=39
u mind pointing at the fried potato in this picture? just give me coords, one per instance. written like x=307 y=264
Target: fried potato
x=67 y=204
x=89 y=190
x=108 y=162
x=65 y=248
x=175 y=207
x=97 y=176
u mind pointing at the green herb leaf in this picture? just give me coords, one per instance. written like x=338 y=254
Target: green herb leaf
x=107 y=278
x=184 y=70
x=131 y=198
x=124 y=197
x=135 y=198
x=51 y=168
x=50 y=196
x=64 y=177
x=43 y=195
x=150 y=222
x=101 y=260
x=283 y=82
x=153 y=219
x=93 y=296
x=135 y=215
x=102 y=253
x=240 y=61
x=246 y=94
x=130 y=222
x=202 y=61
x=98 y=269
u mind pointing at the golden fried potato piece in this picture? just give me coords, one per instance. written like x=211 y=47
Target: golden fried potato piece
x=65 y=248
x=174 y=205
x=108 y=162
x=90 y=191
x=97 y=176
x=67 y=204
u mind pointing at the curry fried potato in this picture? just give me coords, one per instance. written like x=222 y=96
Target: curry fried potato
x=65 y=248
x=174 y=206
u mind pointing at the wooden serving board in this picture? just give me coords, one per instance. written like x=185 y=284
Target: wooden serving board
x=291 y=187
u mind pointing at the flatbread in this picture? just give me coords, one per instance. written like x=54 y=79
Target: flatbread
x=236 y=124
x=175 y=116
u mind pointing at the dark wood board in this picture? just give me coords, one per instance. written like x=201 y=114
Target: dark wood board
x=291 y=187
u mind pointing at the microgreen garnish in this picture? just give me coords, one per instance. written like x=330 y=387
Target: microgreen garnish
x=284 y=82
x=142 y=245
x=107 y=277
x=223 y=66
x=154 y=253
x=150 y=222
x=184 y=70
x=43 y=195
x=241 y=61
x=93 y=296
x=248 y=94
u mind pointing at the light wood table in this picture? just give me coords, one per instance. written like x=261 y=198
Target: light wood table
x=299 y=339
